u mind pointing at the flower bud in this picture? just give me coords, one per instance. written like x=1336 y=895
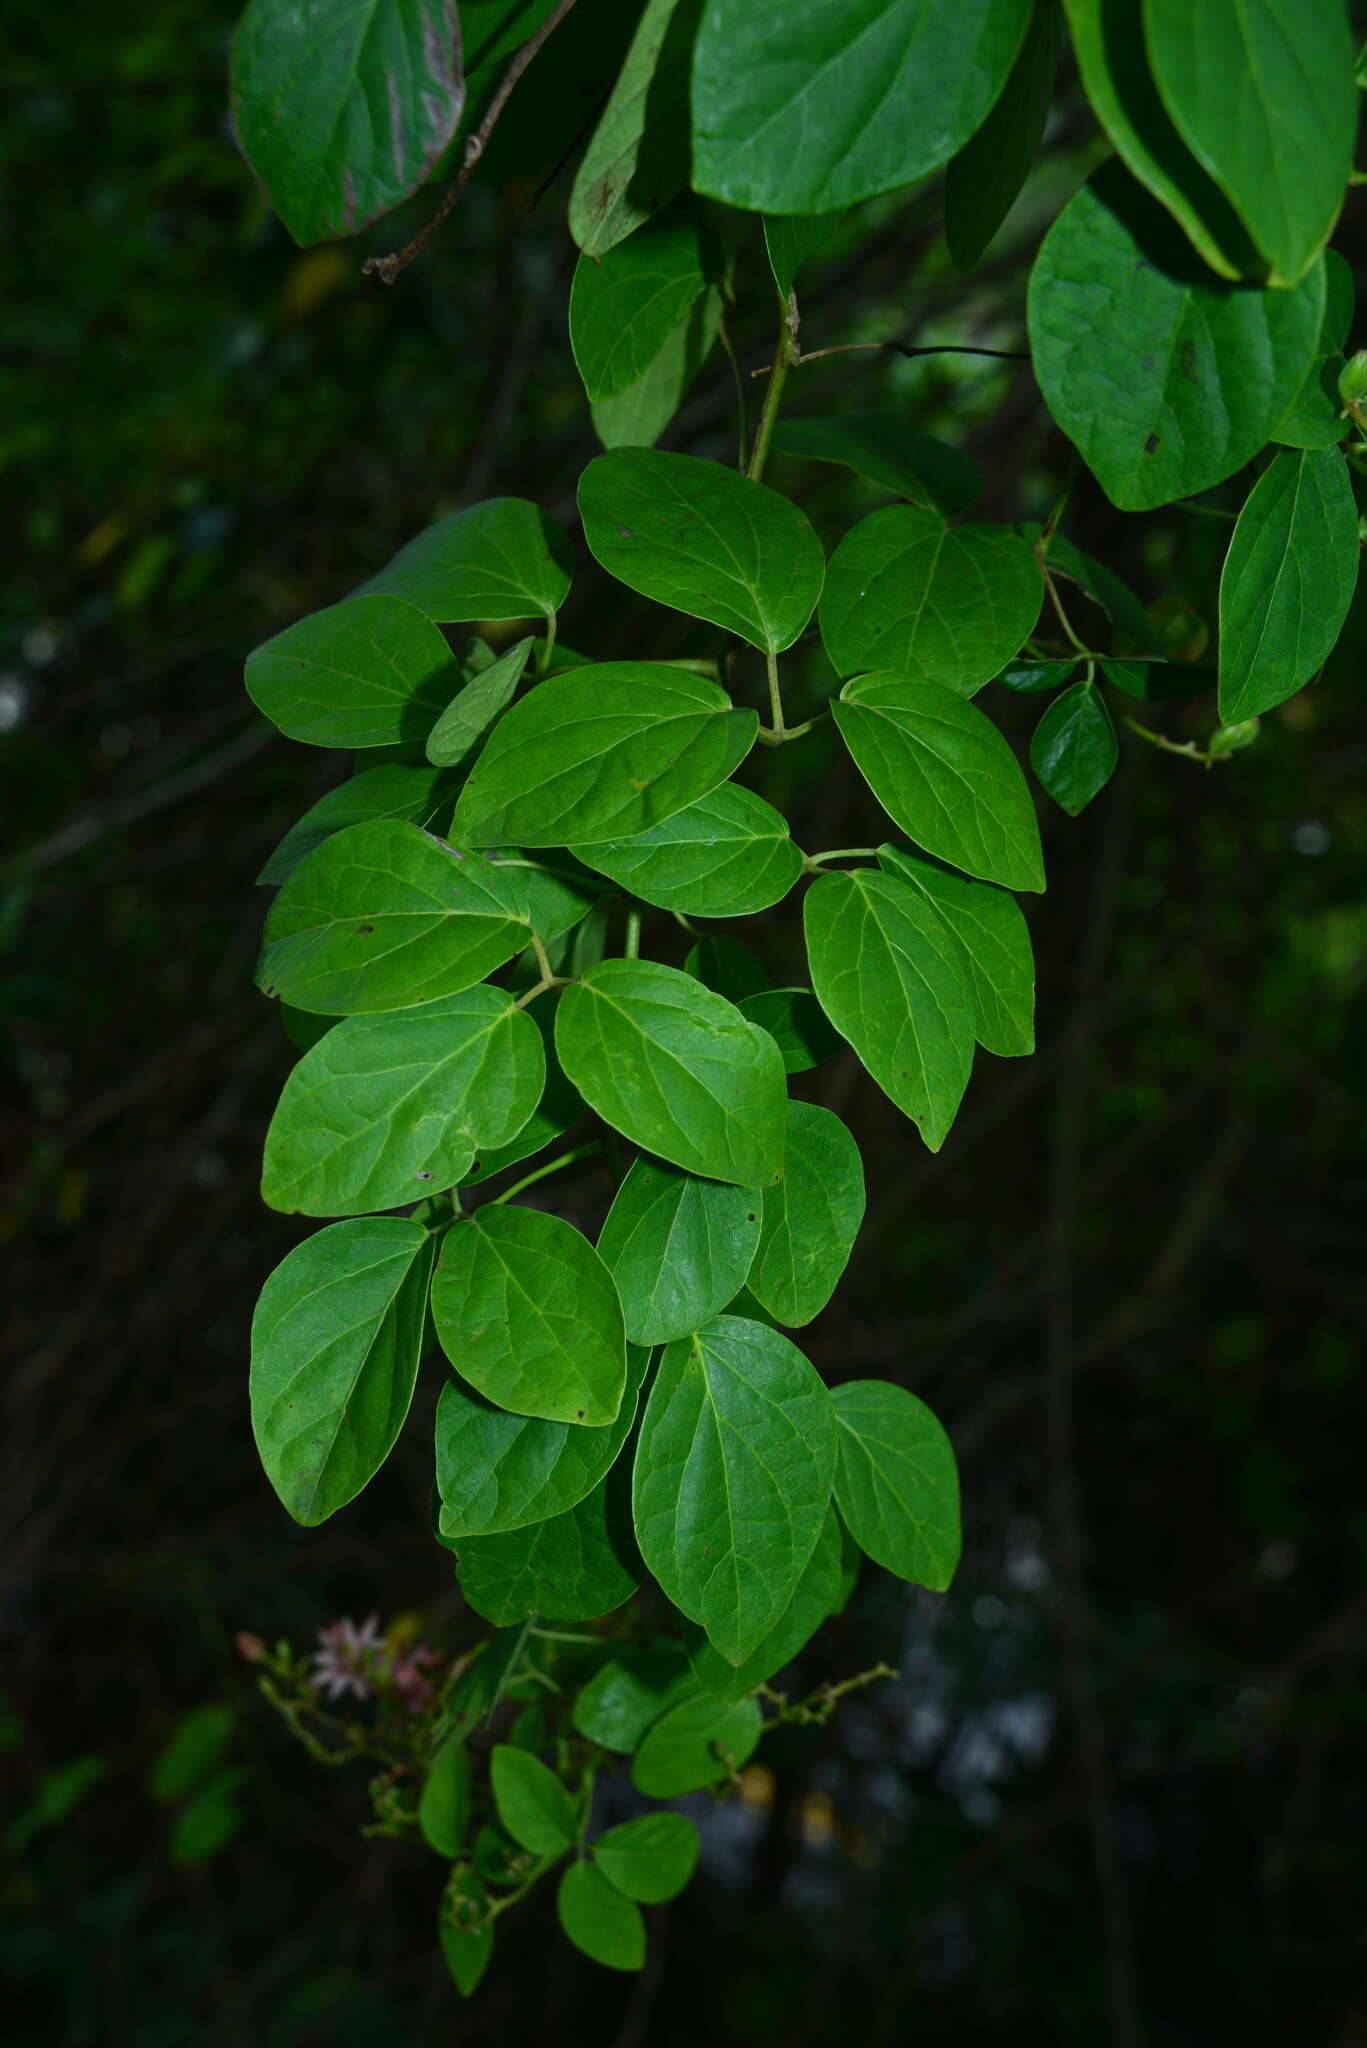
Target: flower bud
x=1353 y=378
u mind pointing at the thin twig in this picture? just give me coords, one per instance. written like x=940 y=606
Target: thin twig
x=387 y=268
x=902 y=348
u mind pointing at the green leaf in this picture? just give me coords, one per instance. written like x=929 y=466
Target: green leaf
x=1105 y=588
x=1108 y=41
x=890 y=453
x=532 y=1803
x=637 y=416
x=335 y=1345
x=727 y=855
x=637 y=156
x=501 y=559
x=732 y=1478
x=602 y=753
x=625 y=1697
x=803 y=111
x=985 y=177
x=469 y=715
x=1160 y=682
x=381 y=917
x=676 y=1069
x=905 y=591
x=896 y=1483
x=369 y=672
x=724 y=964
x=444 y=1802
x=560 y=1106
x=698 y=536
x=1264 y=98
x=388 y=1108
x=397 y=790
x=526 y=1311
x=650 y=1859
x=1137 y=354
x=467 y=1950
x=991 y=944
x=677 y=1248
x=497 y=1471
x=1029 y=677
x=809 y=1219
x=1313 y=418
x=574 y=1567
x=791 y=239
x=602 y=1924
x=943 y=772
x=886 y=973
x=208 y=1822
x=1074 y=751
x=797 y=1024
x=816 y=1594
x=1288 y=580
x=697 y=1743
x=342 y=115
x=197 y=1744
x=625 y=304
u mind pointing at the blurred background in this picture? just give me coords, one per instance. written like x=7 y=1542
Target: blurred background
x=1118 y=1792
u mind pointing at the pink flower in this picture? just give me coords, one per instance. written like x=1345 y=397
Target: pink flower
x=351 y=1659
x=413 y=1689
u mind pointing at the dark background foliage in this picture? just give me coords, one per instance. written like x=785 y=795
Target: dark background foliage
x=1130 y=1284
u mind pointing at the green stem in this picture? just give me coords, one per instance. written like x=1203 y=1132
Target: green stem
x=1057 y=601
x=561 y=1635
x=785 y=354
x=540 y=1173
x=1188 y=749
x=742 y=407
x=631 y=945
x=543 y=660
x=1061 y=501
x=775 y=697
x=812 y=862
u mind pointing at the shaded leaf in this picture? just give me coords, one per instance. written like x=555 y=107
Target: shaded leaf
x=677 y=1247
x=625 y=304
x=365 y=673
x=637 y=157
x=984 y=179
x=650 y=1859
x=636 y=416
x=532 y=1803
x=809 y=1219
x=600 y=1922
x=444 y=1802
x=896 y=1483
x=889 y=452
x=1074 y=750
x=991 y=948
x=699 y=1742
x=469 y=715
x=398 y=790
x=796 y=1022
x=814 y=1598
x=501 y=559
x=625 y=1697
x=573 y=1567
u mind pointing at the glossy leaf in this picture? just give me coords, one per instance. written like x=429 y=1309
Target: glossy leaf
x=896 y=1483
x=792 y=239
x=699 y=1742
x=952 y=604
x=984 y=179
x=886 y=973
x=891 y=453
x=637 y=157
x=574 y=1567
x=560 y=1107
x=991 y=948
x=732 y=1478
x=388 y=1108
x=601 y=753
x=335 y=1344
x=727 y=855
x=444 y=1803
x=943 y=772
x=816 y=1595
x=501 y=559
x=526 y=1311
x=650 y=1859
x=676 y=1069
x=381 y=917
x=1264 y=98
x=628 y=1695
x=1288 y=580
x=698 y=536
x=469 y=715
x=1136 y=352
x=602 y=1924
x=1074 y=750
x=366 y=673
x=1314 y=417
x=794 y=1019
x=342 y=115
x=411 y=793
x=531 y=1802
x=809 y=1219
x=625 y=304
x=497 y=1471
x=1027 y=678
x=677 y=1247
x=803 y=111
x=636 y=416
x=1108 y=42
x=728 y=966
